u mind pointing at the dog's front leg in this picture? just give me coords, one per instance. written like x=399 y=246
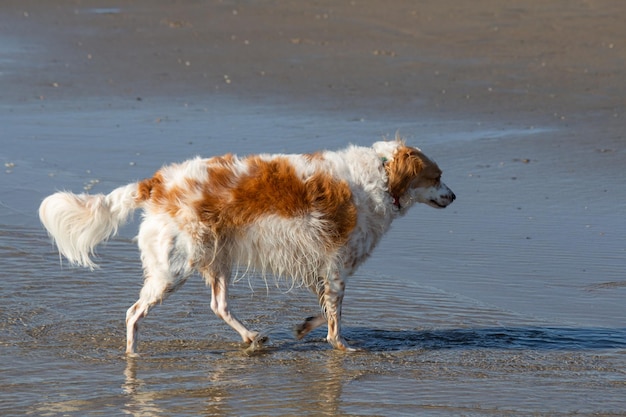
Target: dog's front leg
x=334 y=287
x=308 y=325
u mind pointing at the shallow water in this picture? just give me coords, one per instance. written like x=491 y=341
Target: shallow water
x=423 y=350
x=510 y=302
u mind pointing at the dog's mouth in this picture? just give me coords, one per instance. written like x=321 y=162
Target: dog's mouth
x=436 y=204
x=443 y=201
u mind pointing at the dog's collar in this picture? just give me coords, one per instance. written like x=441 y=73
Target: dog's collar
x=396 y=199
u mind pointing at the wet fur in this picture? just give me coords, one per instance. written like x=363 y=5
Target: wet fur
x=312 y=218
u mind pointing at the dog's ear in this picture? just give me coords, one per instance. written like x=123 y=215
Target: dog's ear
x=402 y=169
x=386 y=149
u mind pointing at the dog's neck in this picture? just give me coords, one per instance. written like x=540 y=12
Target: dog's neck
x=395 y=198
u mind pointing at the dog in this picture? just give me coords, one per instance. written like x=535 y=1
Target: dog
x=312 y=218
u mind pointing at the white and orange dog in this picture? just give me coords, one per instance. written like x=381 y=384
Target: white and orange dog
x=313 y=218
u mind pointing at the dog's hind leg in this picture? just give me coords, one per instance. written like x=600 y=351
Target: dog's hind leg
x=158 y=285
x=166 y=265
x=135 y=313
x=218 y=279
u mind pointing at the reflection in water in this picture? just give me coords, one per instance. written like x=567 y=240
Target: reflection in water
x=331 y=388
x=141 y=402
x=235 y=382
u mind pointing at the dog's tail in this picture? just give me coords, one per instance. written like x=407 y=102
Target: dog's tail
x=79 y=222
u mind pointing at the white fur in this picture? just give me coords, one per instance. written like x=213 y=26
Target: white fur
x=79 y=222
x=173 y=246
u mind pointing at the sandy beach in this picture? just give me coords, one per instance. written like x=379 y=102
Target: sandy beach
x=509 y=302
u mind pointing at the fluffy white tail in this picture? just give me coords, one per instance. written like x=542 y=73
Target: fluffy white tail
x=79 y=222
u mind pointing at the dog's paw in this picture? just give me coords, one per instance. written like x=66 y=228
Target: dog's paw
x=308 y=325
x=303 y=328
x=339 y=343
x=257 y=345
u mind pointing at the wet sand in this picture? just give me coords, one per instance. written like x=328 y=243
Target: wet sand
x=509 y=302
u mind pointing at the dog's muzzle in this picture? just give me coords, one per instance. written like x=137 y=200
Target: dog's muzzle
x=445 y=198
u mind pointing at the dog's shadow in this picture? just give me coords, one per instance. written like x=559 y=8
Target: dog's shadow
x=501 y=338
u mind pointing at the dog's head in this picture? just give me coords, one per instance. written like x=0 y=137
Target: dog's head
x=412 y=176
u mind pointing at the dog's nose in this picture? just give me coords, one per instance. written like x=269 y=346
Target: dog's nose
x=452 y=196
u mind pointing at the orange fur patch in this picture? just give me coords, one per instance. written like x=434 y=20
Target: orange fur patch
x=144 y=189
x=227 y=202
